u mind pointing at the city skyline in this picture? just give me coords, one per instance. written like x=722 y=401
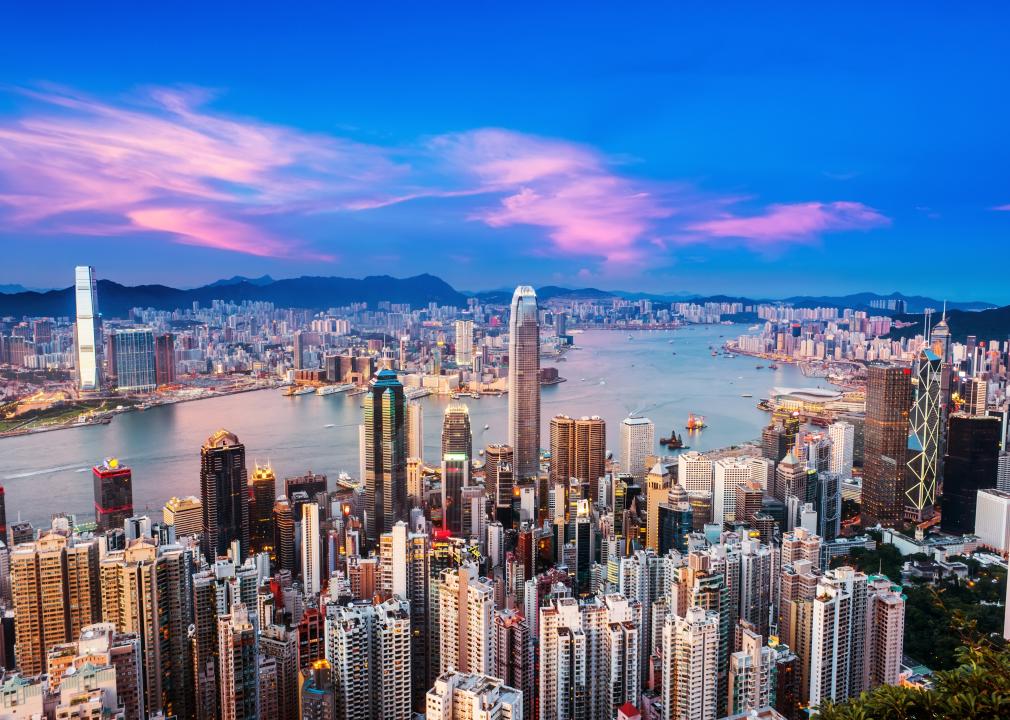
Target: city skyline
x=675 y=167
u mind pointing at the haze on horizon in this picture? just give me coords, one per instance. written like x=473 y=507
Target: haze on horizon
x=763 y=152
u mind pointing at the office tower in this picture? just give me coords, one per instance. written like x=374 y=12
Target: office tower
x=464 y=343
x=974 y=396
x=749 y=500
x=578 y=450
x=751 y=674
x=924 y=439
x=185 y=514
x=970 y=464
x=838 y=637
x=310 y=560
x=261 y=507
x=524 y=383
x=87 y=331
x=513 y=655
x=280 y=644
x=1002 y=473
x=676 y=521
x=638 y=442
x=690 y=672
x=728 y=475
x=472 y=696
x=284 y=535
x=779 y=436
x=164 y=359
x=385 y=455
x=224 y=493
x=992 y=519
x=756 y=565
x=499 y=480
x=694 y=472
x=317 y=696
x=368 y=650
x=415 y=429
x=456 y=433
x=842 y=436
x=132 y=351
x=888 y=404
x=298 y=351
x=238 y=665
x=465 y=609
x=455 y=479
x=885 y=625
x=3 y=516
x=55 y=589
x=657 y=491
x=790 y=478
x=113 y=485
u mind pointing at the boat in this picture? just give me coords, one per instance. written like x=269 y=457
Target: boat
x=329 y=425
x=298 y=390
x=674 y=442
x=333 y=389
x=759 y=367
x=695 y=422
x=773 y=366
x=346 y=482
x=487 y=427
x=746 y=395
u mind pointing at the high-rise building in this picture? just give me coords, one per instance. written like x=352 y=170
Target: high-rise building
x=224 y=494
x=838 y=637
x=164 y=359
x=284 y=535
x=728 y=474
x=464 y=343
x=578 y=450
x=842 y=436
x=456 y=432
x=415 y=429
x=298 y=351
x=132 y=352
x=924 y=439
x=524 y=382
x=513 y=655
x=690 y=669
x=638 y=442
x=992 y=520
x=885 y=626
x=238 y=676
x=657 y=492
x=113 y=485
x=385 y=455
x=280 y=644
x=694 y=472
x=55 y=591
x=888 y=405
x=499 y=480
x=970 y=464
x=310 y=560
x=465 y=610
x=317 y=697
x=185 y=514
x=87 y=331
x=473 y=696
x=751 y=674
x=261 y=507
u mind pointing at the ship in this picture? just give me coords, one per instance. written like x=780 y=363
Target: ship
x=358 y=391
x=773 y=366
x=346 y=482
x=674 y=442
x=332 y=389
x=747 y=395
x=695 y=422
x=298 y=390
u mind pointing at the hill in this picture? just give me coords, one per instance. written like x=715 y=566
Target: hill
x=984 y=325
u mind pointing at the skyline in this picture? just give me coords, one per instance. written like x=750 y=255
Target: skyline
x=598 y=150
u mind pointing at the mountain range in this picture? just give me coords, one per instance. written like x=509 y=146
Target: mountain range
x=115 y=300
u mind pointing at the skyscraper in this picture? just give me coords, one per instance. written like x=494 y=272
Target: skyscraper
x=133 y=356
x=838 y=637
x=284 y=535
x=87 y=331
x=311 y=565
x=578 y=450
x=415 y=429
x=238 y=666
x=468 y=696
x=456 y=434
x=464 y=343
x=499 y=480
x=924 y=438
x=164 y=359
x=185 y=514
x=524 y=382
x=224 y=494
x=690 y=672
x=465 y=609
x=113 y=485
x=970 y=464
x=888 y=404
x=638 y=442
x=513 y=659
x=842 y=436
x=385 y=455
x=261 y=507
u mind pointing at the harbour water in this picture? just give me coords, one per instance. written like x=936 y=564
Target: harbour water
x=663 y=375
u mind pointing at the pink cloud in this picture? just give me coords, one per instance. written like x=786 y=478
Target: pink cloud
x=1002 y=208
x=798 y=221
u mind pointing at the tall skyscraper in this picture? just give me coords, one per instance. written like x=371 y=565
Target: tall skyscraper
x=284 y=535
x=385 y=444
x=238 y=674
x=164 y=359
x=842 y=436
x=456 y=433
x=499 y=480
x=690 y=671
x=298 y=351
x=465 y=609
x=415 y=429
x=113 y=485
x=311 y=565
x=924 y=439
x=638 y=442
x=261 y=508
x=133 y=359
x=87 y=331
x=464 y=343
x=513 y=659
x=224 y=494
x=970 y=464
x=578 y=450
x=888 y=405
x=838 y=637
x=524 y=382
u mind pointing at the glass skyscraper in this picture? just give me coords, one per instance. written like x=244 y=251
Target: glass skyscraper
x=224 y=492
x=133 y=356
x=385 y=461
x=524 y=382
x=87 y=331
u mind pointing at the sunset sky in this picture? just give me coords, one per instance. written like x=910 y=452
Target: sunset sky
x=669 y=147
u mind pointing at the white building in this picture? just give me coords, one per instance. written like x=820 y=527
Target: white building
x=415 y=430
x=885 y=632
x=751 y=674
x=468 y=696
x=87 y=331
x=464 y=343
x=729 y=474
x=694 y=472
x=465 y=612
x=311 y=564
x=838 y=637
x=638 y=442
x=992 y=520
x=690 y=672
x=842 y=436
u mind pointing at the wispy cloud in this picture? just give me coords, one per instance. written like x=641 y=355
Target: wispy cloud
x=1002 y=208
x=162 y=164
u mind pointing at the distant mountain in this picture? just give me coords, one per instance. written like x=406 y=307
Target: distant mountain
x=861 y=301
x=11 y=289
x=318 y=293
x=991 y=324
x=238 y=279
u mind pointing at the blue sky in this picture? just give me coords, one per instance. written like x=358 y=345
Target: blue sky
x=804 y=148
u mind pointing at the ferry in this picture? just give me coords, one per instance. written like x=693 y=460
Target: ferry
x=346 y=482
x=329 y=425
x=298 y=390
x=487 y=427
x=332 y=389
x=747 y=395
